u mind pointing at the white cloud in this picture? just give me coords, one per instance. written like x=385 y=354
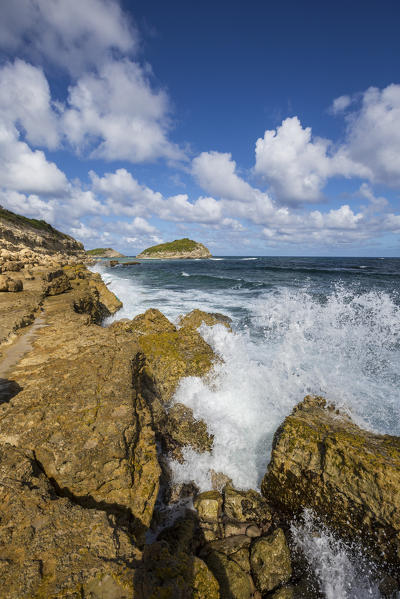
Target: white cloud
x=340 y=104
x=373 y=136
x=117 y=115
x=26 y=170
x=25 y=100
x=74 y=34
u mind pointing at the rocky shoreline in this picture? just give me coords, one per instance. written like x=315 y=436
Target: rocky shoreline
x=87 y=505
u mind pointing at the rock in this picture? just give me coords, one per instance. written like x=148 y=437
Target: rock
x=228 y=560
x=113 y=263
x=197 y=317
x=58 y=284
x=167 y=355
x=247 y=506
x=34 y=240
x=270 y=561
x=93 y=437
x=50 y=275
x=181 y=430
x=219 y=480
x=9 y=284
x=209 y=506
x=284 y=593
x=4 y=280
x=14 y=285
x=131 y=263
x=52 y=547
x=176 y=575
x=13 y=266
x=348 y=476
x=104 y=253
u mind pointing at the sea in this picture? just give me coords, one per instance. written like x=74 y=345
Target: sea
x=301 y=325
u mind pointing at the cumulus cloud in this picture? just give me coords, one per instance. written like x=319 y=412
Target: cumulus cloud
x=25 y=100
x=118 y=116
x=297 y=166
x=340 y=104
x=75 y=35
x=26 y=170
x=373 y=135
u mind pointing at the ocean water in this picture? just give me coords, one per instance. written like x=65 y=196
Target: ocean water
x=329 y=326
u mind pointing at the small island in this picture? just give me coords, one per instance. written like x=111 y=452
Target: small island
x=179 y=249
x=104 y=253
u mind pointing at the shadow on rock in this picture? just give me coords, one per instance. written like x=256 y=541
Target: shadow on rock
x=8 y=390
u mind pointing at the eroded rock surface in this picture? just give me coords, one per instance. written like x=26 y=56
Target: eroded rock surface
x=348 y=476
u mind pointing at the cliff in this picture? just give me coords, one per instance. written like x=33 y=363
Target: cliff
x=179 y=249
x=28 y=235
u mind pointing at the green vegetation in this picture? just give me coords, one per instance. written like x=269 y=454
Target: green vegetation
x=23 y=221
x=97 y=251
x=179 y=245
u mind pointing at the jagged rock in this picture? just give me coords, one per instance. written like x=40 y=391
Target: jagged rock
x=59 y=283
x=348 y=476
x=229 y=561
x=92 y=436
x=270 y=561
x=247 y=506
x=51 y=547
x=176 y=575
x=197 y=317
x=14 y=285
x=284 y=593
x=181 y=429
x=12 y=266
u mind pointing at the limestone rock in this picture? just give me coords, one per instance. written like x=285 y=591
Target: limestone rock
x=9 y=284
x=14 y=285
x=228 y=559
x=12 y=266
x=197 y=317
x=270 y=561
x=51 y=547
x=58 y=284
x=181 y=429
x=348 y=476
x=92 y=436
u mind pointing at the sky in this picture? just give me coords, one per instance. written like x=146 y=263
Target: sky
x=257 y=128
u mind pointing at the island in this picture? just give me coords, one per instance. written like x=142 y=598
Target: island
x=179 y=249
x=104 y=253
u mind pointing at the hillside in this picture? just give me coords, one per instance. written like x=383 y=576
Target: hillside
x=179 y=249
x=19 y=232
x=104 y=253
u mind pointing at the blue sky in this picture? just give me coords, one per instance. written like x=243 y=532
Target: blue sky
x=258 y=128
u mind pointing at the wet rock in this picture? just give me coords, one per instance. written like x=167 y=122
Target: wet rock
x=219 y=480
x=181 y=430
x=348 y=476
x=247 y=506
x=197 y=317
x=270 y=561
x=284 y=593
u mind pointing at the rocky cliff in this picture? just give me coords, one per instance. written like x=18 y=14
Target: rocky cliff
x=34 y=238
x=174 y=250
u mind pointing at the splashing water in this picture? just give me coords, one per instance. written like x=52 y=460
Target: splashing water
x=345 y=347
x=341 y=570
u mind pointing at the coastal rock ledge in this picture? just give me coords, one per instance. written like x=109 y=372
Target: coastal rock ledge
x=182 y=249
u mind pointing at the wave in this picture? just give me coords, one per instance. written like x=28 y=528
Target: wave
x=184 y=274
x=345 y=348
